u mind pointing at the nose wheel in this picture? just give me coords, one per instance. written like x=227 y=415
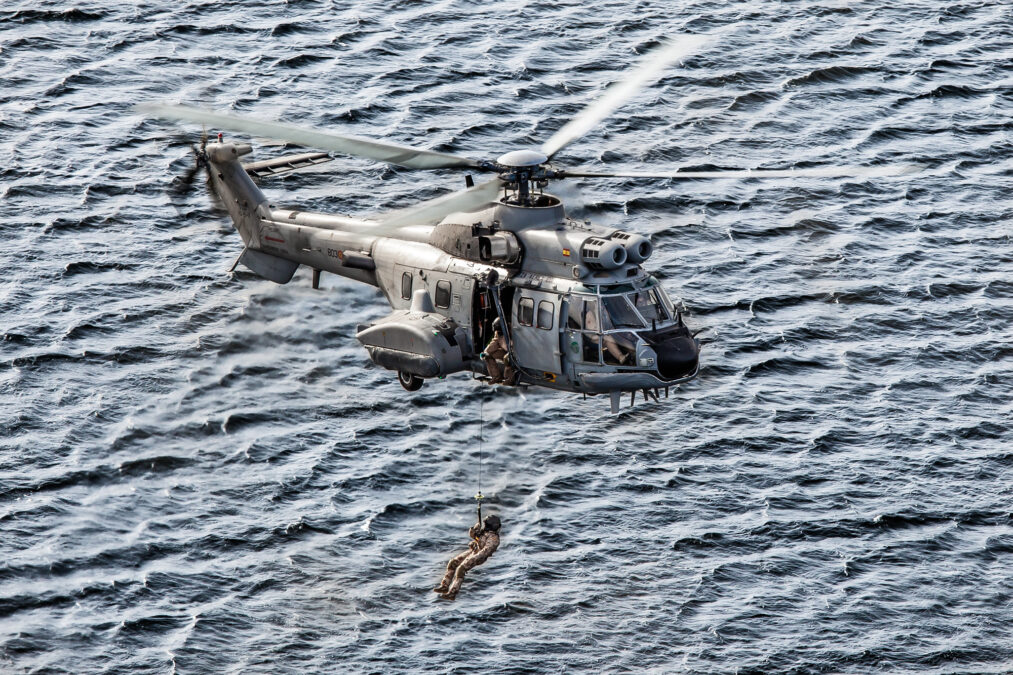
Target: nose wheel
x=409 y=381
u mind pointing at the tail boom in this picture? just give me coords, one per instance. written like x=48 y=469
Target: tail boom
x=277 y=241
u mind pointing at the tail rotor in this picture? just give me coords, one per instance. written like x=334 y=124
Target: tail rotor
x=182 y=185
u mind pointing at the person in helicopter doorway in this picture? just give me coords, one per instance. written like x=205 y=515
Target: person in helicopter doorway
x=495 y=353
x=484 y=541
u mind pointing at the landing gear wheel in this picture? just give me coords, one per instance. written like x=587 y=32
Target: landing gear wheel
x=409 y=381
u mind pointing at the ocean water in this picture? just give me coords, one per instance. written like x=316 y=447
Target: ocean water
x=200 y=471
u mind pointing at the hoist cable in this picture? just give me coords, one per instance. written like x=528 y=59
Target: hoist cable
x=481 y=448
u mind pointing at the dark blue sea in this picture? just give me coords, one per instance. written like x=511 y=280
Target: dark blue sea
x=201 y=471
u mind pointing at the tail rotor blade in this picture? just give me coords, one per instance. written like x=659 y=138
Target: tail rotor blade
x=183 y=184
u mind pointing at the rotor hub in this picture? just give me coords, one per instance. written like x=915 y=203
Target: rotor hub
x=521 y=159
x=523 y=171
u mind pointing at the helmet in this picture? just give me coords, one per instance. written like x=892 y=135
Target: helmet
x=497 y=324
x=492 y=523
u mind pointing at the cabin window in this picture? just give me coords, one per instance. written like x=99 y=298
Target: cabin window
x=545 y=314
x=443 y=294
x=406 y=286
x=526 y=312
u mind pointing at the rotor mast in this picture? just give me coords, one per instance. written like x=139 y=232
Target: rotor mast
x=522 y=170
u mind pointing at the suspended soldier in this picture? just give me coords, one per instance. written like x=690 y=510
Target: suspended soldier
x=484 y=540
x=495 y=353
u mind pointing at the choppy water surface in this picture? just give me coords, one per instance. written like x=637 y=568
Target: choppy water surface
x=200 y=471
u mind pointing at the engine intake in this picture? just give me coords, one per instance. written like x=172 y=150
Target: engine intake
x=500 y=247
x=638 y=247
x=602 y=254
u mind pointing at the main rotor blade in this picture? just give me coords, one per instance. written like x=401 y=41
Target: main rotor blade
x=401 y=155
x=814 y=172
x=649 y=70
x=435 y=210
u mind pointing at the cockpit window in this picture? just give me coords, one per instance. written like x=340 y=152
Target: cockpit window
x=666 y=300
x=582 y=314
x=591 y=316
x=591 y=351
x=620 y=312
x=649 y=305
x=575 y=314
x=619 y=349
x=652 y=283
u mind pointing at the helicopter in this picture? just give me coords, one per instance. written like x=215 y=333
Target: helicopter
x=570 y=300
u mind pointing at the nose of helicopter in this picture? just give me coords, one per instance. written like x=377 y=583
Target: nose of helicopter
x=677 y=356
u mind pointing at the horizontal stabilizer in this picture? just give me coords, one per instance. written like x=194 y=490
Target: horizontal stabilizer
x=270 y=267
x=272 y=167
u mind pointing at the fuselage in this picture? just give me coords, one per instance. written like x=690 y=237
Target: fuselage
x=581 y=312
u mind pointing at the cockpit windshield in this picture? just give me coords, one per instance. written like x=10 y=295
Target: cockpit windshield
x=668 y=309
x=623 y=307
x=618 y=313
x=650 y=306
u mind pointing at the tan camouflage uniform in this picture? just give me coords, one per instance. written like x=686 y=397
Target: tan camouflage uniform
x=482 y=545
x=494 y=353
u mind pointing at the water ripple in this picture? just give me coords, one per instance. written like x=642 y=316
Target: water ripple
x=201 y=472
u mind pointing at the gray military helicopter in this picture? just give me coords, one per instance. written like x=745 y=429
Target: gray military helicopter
x=578 y=311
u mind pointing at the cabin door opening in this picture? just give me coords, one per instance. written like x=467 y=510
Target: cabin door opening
x=483 y=313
